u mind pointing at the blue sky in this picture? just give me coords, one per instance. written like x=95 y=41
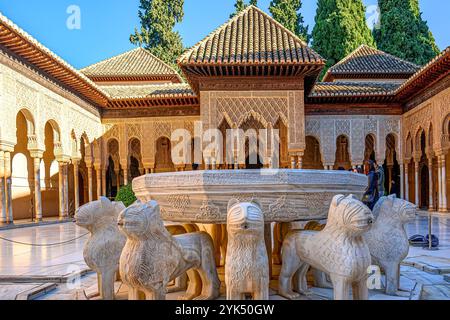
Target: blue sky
x=107 y=24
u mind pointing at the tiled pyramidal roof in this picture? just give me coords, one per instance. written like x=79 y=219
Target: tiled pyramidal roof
x=341 y=89
x=251 y=37
x=145 y=91
x=369 y=62
x=138 y=64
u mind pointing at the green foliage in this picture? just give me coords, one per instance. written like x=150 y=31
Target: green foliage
x=241 y=5
x=158 y=19
x=402 y=31
x=287 y=13
x=126 y=195
x=340 y=28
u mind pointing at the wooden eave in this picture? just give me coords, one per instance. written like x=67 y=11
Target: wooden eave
x=34 y=55
x=351 y=98
x=330 y=77
x=425 y=78
x=125 y=79
x=153 y=102
x=196 y=71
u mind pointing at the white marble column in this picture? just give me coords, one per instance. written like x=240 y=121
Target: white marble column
x=125 y=176
x=37 y=189
x=98 y=174
x=76 y=183
x=439 y=183
x=406 y=181
x=8 y=181
x=430 y=178
x=90 y=183
x=444 y=184
x=61 y=189
x=416 y=183
x=66 y=190
x=3 y=215
x=104 y=182
x=402 y=181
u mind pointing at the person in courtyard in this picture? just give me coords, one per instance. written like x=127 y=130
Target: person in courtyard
x=371 y=195
x=381 y=179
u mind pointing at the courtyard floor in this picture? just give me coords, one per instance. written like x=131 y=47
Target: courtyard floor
x=59 y=273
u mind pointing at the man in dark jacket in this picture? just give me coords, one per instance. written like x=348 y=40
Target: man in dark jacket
x=371 y=195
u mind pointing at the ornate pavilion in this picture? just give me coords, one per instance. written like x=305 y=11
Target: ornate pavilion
x=68 y=136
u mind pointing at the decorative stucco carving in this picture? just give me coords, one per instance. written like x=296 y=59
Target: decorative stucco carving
x=356 y=128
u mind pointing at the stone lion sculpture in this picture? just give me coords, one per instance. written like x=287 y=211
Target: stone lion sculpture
x=152 y=257
x=339 y=250
x=387 y=240
x=247 y=263
x=102 y=250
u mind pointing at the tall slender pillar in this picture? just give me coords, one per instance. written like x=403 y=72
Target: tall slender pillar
x=61 y=190
x=439 y=183
x=416 y=182
x=98 y=174
x=125 y=176
x=406 y=181
x=66 y=190
x=444 y=184
x=37 y=189
x=8 y=181
x=430 y=178
x=3 y=212
x=90 y=184
x=402 y=181
x=76 y=183
x=104 y=182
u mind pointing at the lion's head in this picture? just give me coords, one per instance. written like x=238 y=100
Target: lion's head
x=351 y=214
x=98 y=213
x=245 y=217
x=392 y=208
x=142 y=220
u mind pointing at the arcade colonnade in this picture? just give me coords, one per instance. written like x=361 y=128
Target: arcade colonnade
x=426 y=149
x=46 y=132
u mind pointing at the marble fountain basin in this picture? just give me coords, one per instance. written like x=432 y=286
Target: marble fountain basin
x=285 y=195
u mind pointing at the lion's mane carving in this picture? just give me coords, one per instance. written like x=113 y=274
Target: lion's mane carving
x=387 y=240
x=247 y=263
x=339 y=250
x=152 y=257
x=102 y=250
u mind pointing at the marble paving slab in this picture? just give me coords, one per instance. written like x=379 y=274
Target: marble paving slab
x=430 y=264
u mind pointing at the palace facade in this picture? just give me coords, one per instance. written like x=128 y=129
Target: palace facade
x=68 y=136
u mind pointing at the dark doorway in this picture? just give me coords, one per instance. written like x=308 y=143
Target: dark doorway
x=424 y=188
x=81 y=189
x=134 y=168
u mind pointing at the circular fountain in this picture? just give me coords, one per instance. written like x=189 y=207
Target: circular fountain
x=285 y=195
